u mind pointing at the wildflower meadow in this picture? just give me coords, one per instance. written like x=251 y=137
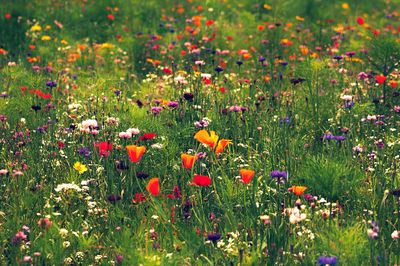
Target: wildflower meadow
x=189 y=132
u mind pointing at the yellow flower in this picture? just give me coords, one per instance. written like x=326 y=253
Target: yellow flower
x=46 y=38
x=64 y=42
x=107 y=46
x=81 y=168
x=345 y=6
x=36 y=27
x=268 y=7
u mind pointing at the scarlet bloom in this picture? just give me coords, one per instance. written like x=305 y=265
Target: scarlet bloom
x=8 y=16
x=298 y=190
x=111 y=17
x=135 y=153
x=154 y=186
x=247 y=175
x=210 y=22
x=188 y=160
x=360 y=21
x=201 y=180
x=139 y=197
x=104 y=148
x=148 y=136
x=380 y=79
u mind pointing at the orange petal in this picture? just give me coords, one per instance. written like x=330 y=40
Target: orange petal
x=188 y=160
x=154 y=186
x=221 y=145
x=247 y=175
x=135 y=153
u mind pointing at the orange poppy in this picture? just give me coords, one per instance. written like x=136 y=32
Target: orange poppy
x=298 y=190
x=154 y=186
x=188 y=160
x=221 y=145
x=201 y=180
x=247 y=175
x=135 y=153
x=204 y=137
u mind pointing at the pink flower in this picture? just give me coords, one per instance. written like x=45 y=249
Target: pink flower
x=3 y=171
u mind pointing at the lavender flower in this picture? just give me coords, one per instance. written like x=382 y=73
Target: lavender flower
x=325 y=260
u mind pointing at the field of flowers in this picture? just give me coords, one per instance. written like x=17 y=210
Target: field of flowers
x=217 y=132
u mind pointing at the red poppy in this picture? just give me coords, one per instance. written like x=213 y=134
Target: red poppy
x=8 y=16
x=104 y=148
x=247 y=175
x=380 y=79
x=201 y=180
x=188 y=160
x=148 y=136
x=167 y=70
x=210 y=22
x=111 y=17
x=139 y=197
x=61 y=144
x=154 y=186
x=360 y=21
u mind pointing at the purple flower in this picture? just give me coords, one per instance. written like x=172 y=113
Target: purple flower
x=278 y=174
x=328 y=136
x=142 y=175
x=339 y=138
x=156 y=109
x=325 y=260
x=348 y=104
x=84 y=151
x=51 y=84
x=113 y=198
x=219 y=69
x=214 y=236
x=173 y=104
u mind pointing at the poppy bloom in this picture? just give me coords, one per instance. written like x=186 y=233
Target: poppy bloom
x=247 y=175
x=188 y=160
x=154 y=186
x=201 y=180
x=111 y=17
x=298 y=190
x=210 y=139
x=221 y=145
x=380 y=79
x=360 y=21
x=135 y=153
x=148 y=136
x=104 y=148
